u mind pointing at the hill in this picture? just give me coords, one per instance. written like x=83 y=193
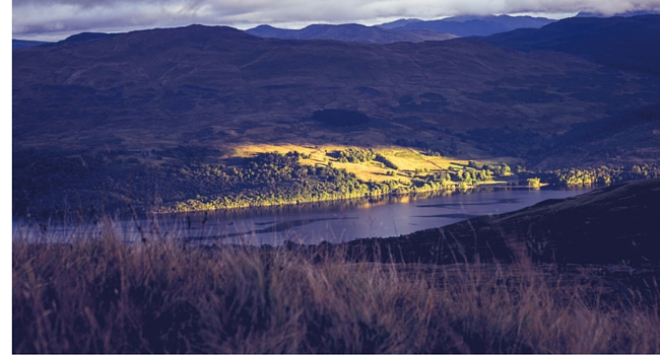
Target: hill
x=465 y=26
x=146 y=89
x=613 y=225
x=619 y=42
x=136 y=104
x=350 y=33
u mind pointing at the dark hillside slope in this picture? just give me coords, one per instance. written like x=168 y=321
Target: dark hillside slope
x=627 y=138
x=618 y=224
x=216 y=86
x=629 y=43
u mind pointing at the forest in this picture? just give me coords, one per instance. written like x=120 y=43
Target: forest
x=593 y=176
x=50 y=183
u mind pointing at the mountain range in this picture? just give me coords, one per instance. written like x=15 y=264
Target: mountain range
x=218 y=86
x=350 y=33
x=464 y=26
x=101 y=117
x=391 y=32
x=621 y=14
x=406 y=30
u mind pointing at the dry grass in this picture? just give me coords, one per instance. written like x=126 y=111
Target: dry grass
x=94 y=295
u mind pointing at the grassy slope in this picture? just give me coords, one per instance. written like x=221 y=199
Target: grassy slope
x=98 y=295
x=84 y=294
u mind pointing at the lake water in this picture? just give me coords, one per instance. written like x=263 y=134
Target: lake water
x=316 y=222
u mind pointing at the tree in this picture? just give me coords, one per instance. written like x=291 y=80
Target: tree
x=534 y=182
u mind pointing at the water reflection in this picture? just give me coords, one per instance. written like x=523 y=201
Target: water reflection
x=449 y=215
x=335 y=221
x=450 y=205
x=278 y=227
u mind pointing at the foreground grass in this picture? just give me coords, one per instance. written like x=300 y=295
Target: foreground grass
x=102 y=295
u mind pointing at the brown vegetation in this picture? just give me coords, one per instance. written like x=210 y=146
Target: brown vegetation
x=103 y=295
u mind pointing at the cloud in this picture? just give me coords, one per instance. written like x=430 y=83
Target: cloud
x=57 y=19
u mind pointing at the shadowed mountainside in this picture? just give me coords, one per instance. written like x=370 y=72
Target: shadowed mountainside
x=217 y=86
x=350 y=33
x=631 y=136
x=611 y=225
x=628 y=43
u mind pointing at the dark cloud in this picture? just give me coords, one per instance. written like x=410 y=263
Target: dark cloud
x=58 y=18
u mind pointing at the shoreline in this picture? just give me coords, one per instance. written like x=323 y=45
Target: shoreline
x=374 y=217
x=502 y=186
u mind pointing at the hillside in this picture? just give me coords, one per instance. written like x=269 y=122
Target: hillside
x=350 y=33
x=123 y=112
x=613 y=225
x=147 y=89
x=628 y=137
x=620 y=42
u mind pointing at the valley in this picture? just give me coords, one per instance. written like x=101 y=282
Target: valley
x=344 y=189
x=133 y=115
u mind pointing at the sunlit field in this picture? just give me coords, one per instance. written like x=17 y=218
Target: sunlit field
x=409 y=161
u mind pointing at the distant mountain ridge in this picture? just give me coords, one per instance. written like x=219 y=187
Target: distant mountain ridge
x=80 y=37
x=87 y=36
x=406 y=30
x=23 y=44
x=464 y=26
x=350 y=33
x=623 y=14
x=398 y=23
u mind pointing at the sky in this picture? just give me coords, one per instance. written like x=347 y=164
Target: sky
x=52 y=20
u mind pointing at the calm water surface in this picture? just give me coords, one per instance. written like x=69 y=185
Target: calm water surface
x=334 y=222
